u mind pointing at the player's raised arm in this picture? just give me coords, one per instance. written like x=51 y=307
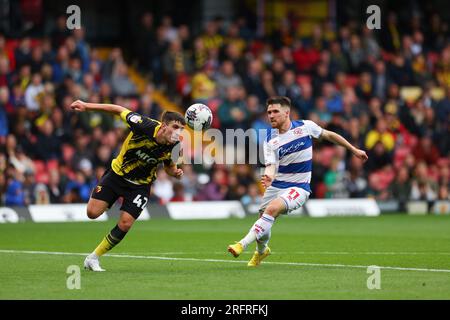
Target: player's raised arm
x=82 y=106
x=340 y=140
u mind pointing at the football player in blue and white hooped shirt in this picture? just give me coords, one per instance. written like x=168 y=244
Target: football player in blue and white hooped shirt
x=288 y=159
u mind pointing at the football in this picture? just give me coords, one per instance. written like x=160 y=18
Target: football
x=198 y=116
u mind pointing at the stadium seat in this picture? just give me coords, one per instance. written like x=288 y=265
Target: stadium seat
x=42 y=177
x=52 y=164
x=39 y=166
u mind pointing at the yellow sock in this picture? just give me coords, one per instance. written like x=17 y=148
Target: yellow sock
x=110 y=241
x=104 y=247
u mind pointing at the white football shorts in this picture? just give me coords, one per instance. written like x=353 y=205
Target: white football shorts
x=293 y=197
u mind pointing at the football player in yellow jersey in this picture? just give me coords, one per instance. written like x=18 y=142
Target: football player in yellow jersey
x=149 y=143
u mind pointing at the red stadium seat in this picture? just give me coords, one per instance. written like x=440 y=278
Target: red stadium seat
x=52 y=165
x=41 y=173
x=42 y=177
x=39 y=166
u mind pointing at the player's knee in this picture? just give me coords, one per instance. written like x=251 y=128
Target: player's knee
x=272 y=210
x=125 y=224
x=92 y=212
x=275 y=208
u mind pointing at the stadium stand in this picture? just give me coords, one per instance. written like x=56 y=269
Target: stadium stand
x=388 y=93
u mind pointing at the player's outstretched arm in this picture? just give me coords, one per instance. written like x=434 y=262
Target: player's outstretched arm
x=82 y=106
x=340 y=140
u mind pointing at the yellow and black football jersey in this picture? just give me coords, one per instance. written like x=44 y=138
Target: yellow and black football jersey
x=140 y=154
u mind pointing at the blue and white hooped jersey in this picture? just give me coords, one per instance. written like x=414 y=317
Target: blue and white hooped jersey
x=291 y=152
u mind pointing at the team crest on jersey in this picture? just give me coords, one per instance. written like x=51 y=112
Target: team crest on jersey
x=136 y=119
x=298 y=131
x=98 y=189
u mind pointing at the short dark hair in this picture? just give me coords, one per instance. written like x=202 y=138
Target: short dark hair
x=283 y=101
x=169 y=116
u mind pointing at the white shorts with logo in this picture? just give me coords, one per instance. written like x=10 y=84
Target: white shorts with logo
x=293 y=197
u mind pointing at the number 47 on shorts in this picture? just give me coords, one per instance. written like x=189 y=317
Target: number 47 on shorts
x=140 y=201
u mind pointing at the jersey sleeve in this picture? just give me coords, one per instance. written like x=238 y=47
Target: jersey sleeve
x=269 y=154
x=139 y=124
x=314 y=129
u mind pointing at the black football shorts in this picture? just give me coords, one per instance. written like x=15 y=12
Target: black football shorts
x=112 y=186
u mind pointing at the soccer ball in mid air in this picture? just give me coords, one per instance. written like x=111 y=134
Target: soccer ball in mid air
x=198 y=116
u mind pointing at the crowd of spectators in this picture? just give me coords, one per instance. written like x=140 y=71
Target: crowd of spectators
x=387 y=92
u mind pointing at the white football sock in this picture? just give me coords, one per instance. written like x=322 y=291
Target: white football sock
x=259 y=229
x=261 y=244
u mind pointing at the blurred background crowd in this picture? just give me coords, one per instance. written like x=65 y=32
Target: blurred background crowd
x=386 y=91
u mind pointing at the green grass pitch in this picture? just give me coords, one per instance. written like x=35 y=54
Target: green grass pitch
x=313 y=258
